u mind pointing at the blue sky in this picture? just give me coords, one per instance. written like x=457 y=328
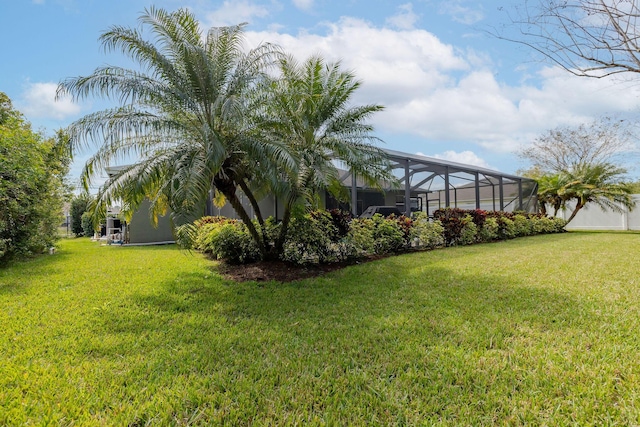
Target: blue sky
x=450 y=90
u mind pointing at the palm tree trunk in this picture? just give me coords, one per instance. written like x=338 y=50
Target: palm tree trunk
x=575 y=211
x=254 y=203
x=286 y=219
x=228 y=188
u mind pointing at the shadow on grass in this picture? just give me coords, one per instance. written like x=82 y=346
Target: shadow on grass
x=387 y=341
x=360 y=304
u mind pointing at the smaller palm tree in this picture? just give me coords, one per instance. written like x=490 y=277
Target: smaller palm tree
x=310 y=112
x=599 y=184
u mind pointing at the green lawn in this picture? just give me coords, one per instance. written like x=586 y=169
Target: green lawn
x=534 y=331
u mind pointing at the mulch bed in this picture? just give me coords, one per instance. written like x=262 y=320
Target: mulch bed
x=281 y=271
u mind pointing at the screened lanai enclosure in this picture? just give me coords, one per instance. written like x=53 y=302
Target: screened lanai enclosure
x=429 y=184
x=426 y=183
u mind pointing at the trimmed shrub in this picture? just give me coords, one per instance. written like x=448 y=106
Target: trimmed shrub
x=523 y=225
x=489 y=230
x=225 y=239
x=468 y=232
x=388 y=236
x=451 y=220
x=234 y=244
x=311 y=238
x=559 y=225
x=360 y=237
x=426 y=234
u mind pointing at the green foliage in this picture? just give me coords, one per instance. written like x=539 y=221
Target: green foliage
x=32 y=185
x=388 y=236
x=489 y=230
x=523 y=226
x=312 y=239
x=426 y=234
x=79 y=206
x=469 y=231
x=332 y=236
x=361 y=238
x=458 y=224
x=88 y=228
x=202 y=112
x=225 y=239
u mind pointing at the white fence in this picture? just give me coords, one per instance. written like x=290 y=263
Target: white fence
x=591 y=217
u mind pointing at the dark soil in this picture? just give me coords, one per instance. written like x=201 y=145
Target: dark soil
x=281 y=271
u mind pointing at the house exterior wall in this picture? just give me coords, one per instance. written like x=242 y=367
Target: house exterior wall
x=141 y=230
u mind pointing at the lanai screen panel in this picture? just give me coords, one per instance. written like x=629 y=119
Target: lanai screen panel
x=431 y=184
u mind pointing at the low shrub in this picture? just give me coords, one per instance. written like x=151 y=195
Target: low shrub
x=360 y=237
x=523 y=225
x=333 y=236
x=426 y=234
x=489 y=230
x=469 y=231
x=225 y=239
x=311 y=239
x=388 y=235
x=458 y=224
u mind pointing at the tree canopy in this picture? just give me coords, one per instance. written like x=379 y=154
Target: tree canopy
x=577 y=164
x=204 y=112
x=32 y=184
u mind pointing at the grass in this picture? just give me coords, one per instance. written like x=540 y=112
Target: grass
x=540 y=330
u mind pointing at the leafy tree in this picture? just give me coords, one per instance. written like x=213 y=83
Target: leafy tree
x=591 y=38
x=575 y=163
x=550 y=187
x=32 y=184
x=79 y=206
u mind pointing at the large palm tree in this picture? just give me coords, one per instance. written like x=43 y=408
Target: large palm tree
x=184 y=115
x=310 y=111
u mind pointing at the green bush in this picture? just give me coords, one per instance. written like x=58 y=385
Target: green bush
x=523 y=225
x=87 y=224
x=32 y=185
x=225 y=239
x=360 y=237
x=489 y=230
x=543 y=225
x=426 y=234
x=469 y=231
x=332 y=236
x=387 y=235
x=559 y=225
x=311 y=239
x=233 y=243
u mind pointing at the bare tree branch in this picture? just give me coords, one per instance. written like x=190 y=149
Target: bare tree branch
x=589 y=38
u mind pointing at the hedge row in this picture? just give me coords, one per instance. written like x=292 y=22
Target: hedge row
x=334 y=236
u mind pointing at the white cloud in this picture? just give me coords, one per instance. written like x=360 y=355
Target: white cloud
x=466 y=157
x=235 y=12
x=405 y=19
x=433 y=91
x=39 y=101
x=305 y=5
x=461 y=13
